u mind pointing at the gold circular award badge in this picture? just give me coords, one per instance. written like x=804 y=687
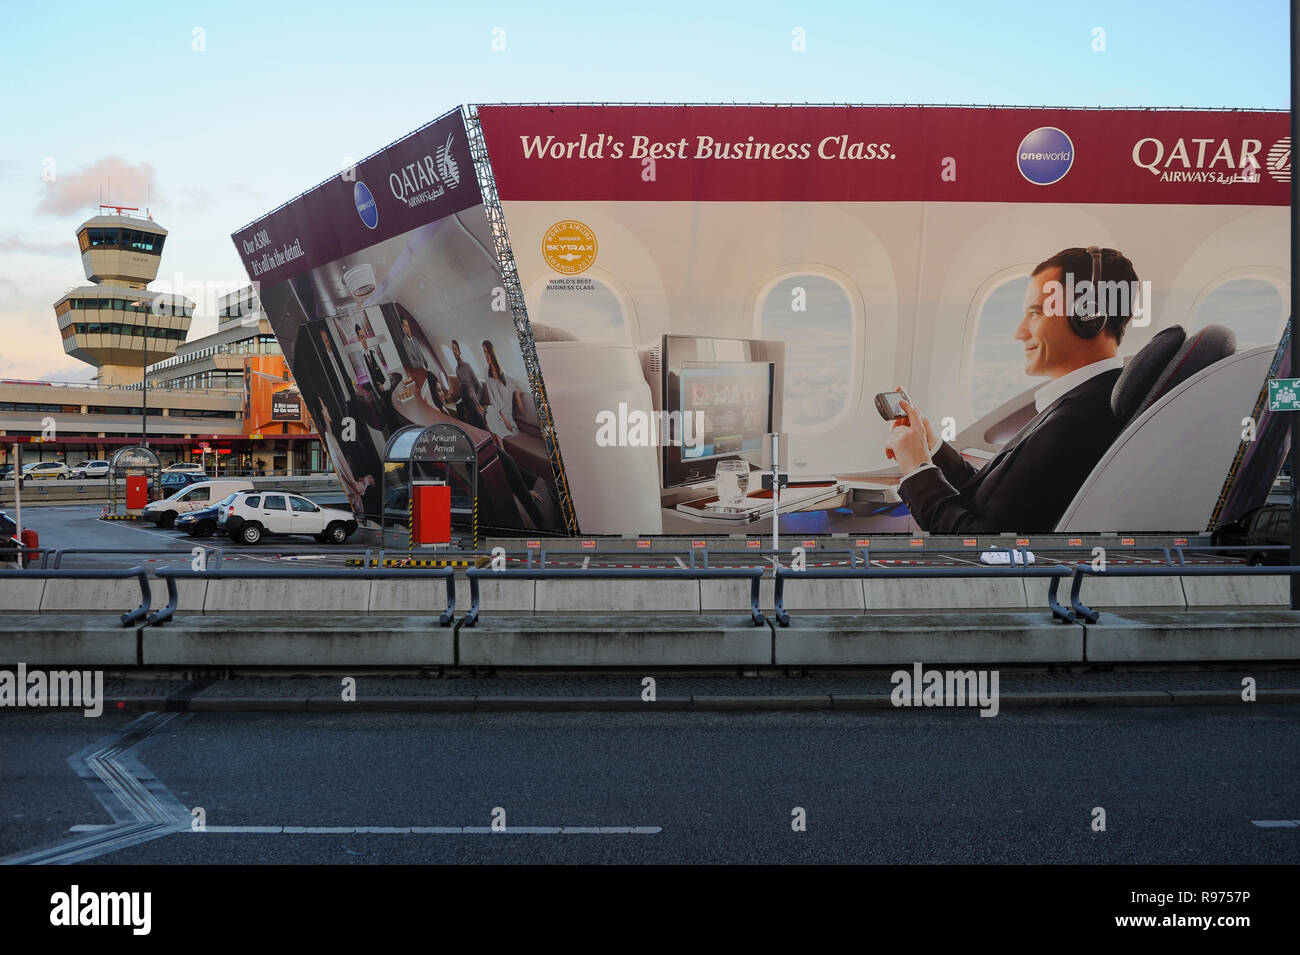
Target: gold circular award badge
x=569 y=247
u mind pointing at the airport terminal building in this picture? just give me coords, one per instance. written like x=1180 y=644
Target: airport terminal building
x=226 y=398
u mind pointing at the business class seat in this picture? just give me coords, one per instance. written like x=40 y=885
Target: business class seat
x=1183 y=398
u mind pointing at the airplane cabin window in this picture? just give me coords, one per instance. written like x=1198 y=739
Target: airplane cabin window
x=584 y=306
x=813 y=315
x=1252 y=308
x=998 y=365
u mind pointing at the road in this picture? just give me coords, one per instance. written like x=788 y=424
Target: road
x=1178 y=785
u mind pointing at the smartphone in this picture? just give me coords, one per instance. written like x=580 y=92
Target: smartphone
x=890 y=404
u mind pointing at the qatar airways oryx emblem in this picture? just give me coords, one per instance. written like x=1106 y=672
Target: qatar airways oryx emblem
x=1279 y=160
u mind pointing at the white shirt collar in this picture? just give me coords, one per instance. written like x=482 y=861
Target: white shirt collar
x=1057 y=387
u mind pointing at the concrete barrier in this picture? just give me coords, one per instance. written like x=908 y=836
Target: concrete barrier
x=430 y=596
x=899 y=594
x=1236 y=592
x=1193 y=636
x=288 y=596
x=618 y=596
x=1101 y=592
x=294 y=640
x=903 y=639
x=22 y=596
x=805 y=596
x=66 y=640
x=112 y=597
x=614 y=641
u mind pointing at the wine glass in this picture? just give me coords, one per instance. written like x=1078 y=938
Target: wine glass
x=732 y=478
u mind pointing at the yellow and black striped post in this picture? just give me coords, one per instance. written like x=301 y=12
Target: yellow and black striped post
x=410 y=519
x=475 y=547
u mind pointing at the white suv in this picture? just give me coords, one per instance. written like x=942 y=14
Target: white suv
x=45 y=470
x=91 y=469
x=254 y=514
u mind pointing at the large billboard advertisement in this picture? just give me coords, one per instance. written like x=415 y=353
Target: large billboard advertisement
x=1080 y=306
x=384 y=291
x=960 y=321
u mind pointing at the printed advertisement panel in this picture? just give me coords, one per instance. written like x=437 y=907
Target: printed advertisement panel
x=383 y=290
x=698 y=277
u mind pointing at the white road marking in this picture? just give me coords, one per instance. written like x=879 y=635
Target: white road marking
x=141 y=807
x=432 y=830
x=1276 y=823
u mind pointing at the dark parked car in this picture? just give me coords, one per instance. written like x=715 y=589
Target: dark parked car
x=1265 y=526
x=202 y=523
x=9 y=527
x=173 y=481
x=6 y=472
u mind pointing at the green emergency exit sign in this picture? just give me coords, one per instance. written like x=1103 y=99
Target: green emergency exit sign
x=1284 y=394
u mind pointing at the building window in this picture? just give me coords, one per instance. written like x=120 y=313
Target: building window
x=586 y=307
x=815 y=317
x=997 y=367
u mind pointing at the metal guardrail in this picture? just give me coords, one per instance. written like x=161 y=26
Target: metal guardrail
x=1077 y=571
x=128 y=618
x=752 y=574
x=171 y=575
x=1084 y=612
x=1055 y=572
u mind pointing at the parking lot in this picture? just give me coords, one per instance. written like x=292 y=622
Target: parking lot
x=77 y=527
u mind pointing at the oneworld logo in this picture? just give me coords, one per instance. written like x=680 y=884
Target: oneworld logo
x=366 y=207
x=1045 y=156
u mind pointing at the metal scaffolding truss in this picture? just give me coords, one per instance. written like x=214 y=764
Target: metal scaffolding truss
x=514 y=295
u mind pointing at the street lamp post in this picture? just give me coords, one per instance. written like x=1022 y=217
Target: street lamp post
x=144 y=379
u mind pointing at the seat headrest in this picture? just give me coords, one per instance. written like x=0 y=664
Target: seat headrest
x=550 y=333
x=1142 y=371
x=1201 y=350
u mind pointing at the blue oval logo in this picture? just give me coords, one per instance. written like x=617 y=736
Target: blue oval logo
x=366 y=207
x=1045 y=156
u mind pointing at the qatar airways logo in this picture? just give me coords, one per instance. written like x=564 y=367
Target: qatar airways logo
x=427 y=178
x=1208 y=159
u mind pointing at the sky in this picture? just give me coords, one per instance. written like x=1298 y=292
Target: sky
x=213 y=114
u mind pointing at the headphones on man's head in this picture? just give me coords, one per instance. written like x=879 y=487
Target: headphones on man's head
x=1090 y=326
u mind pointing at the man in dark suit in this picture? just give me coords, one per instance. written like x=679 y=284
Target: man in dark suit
x=1071 y=335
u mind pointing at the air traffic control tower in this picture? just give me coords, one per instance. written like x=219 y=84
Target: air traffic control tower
x=118 y=324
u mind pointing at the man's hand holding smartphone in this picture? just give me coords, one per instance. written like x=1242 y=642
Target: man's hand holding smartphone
x=912 y=436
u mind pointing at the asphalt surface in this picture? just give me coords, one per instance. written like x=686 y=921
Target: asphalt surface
x=1178 y=785
x=78 y=527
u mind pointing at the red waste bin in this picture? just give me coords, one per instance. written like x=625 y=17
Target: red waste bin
x=30 y=540
x=137 y=492
x=432 y=518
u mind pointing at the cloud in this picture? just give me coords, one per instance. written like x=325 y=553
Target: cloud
x=10 y=242
x=106 y=180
